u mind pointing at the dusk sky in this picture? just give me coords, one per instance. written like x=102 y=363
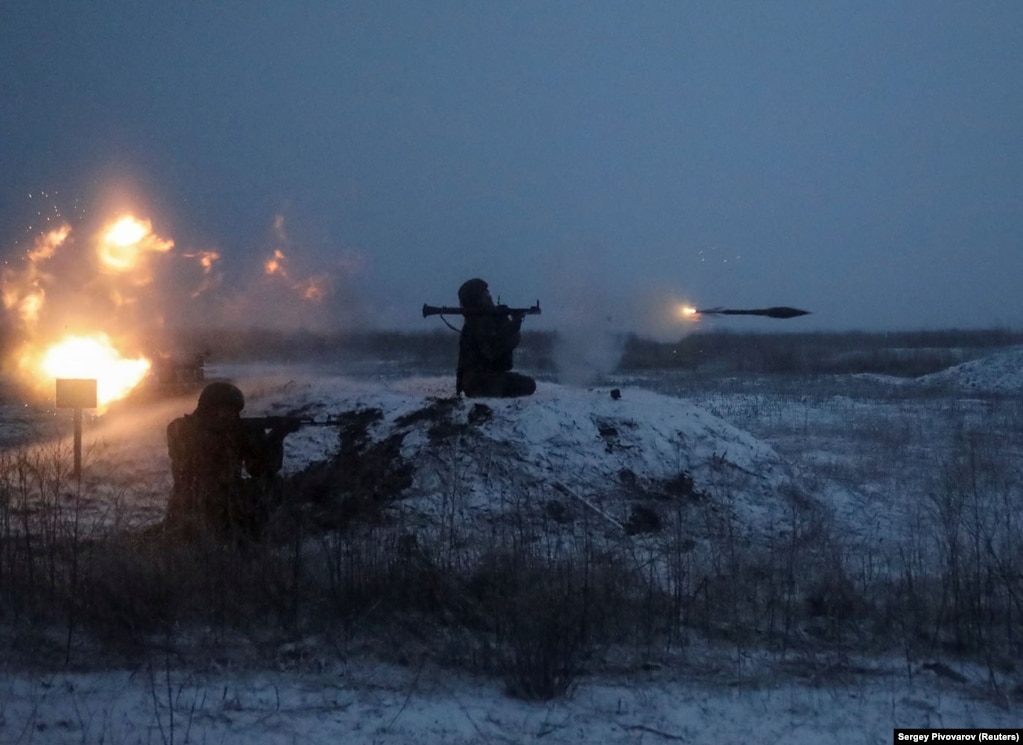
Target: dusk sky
x=862 y=160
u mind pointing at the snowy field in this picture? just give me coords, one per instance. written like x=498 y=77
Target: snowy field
x=863 y=451
x=360 y=702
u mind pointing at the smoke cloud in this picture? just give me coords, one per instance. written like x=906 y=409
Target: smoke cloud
x=288 y=290
x=590 y=339
x=123 y=289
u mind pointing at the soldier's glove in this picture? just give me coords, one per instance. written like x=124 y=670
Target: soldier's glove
x=290 y=426
x=281 y=426
x=515 y=317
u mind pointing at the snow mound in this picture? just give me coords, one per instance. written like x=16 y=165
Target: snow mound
x=632 y=460
x=1001 y=372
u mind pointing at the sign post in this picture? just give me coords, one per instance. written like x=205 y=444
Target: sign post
x=77 y=394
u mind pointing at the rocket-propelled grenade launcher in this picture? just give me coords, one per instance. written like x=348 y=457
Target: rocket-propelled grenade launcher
x=497 y=310
x=778 y=311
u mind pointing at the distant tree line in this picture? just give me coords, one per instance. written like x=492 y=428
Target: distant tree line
x=906 y=354
x=901 y=353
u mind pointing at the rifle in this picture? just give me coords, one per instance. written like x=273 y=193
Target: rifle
x=497 y=310
x=287 y=424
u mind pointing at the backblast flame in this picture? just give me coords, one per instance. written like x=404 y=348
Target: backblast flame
x=687 y=312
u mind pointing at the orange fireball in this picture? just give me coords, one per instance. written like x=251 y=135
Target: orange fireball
x=93 y=356
x=123 y=245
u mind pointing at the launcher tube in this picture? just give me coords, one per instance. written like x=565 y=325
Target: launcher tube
x=497 y=310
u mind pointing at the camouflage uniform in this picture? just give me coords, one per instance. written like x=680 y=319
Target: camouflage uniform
x=485 y=348
x=224 y=469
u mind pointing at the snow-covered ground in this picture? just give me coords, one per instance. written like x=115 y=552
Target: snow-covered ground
x=362 y=702
x=1001 y=372
x=757 y=454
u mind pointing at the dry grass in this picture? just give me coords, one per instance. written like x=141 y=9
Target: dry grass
x=530 y=607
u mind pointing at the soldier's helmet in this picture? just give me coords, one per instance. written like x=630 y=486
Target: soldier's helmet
x=220 y=395
x=470 y=294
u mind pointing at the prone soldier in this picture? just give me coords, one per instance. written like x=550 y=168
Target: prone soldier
x=224 y=467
